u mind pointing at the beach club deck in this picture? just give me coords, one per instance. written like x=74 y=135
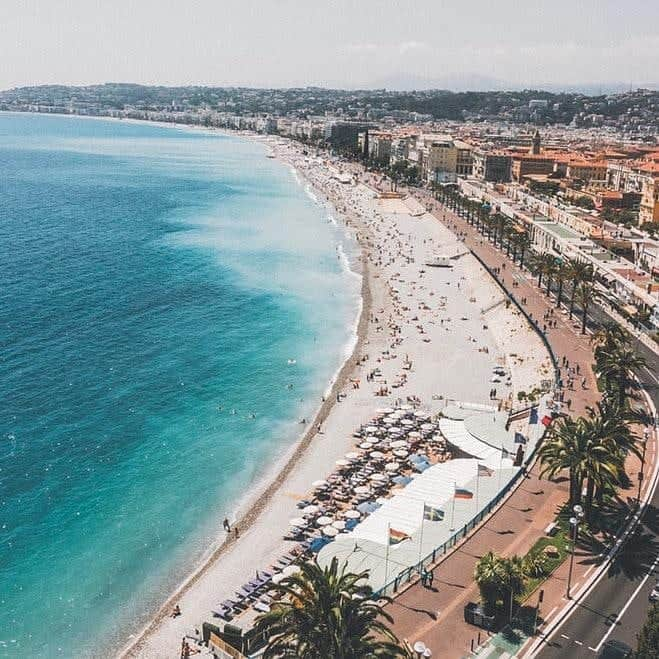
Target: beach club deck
x=438 y=507
x=400 y=499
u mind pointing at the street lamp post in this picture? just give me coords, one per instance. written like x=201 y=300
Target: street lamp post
x=574 y=523
x=419 y=649
x=646 y=435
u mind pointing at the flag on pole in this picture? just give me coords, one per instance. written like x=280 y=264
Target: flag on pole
x=397 y=536
x=519 y=438
x=432 y=514
x=485 y=471
x=463 y=493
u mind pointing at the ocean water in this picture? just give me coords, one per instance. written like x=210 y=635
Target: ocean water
x=154 y=283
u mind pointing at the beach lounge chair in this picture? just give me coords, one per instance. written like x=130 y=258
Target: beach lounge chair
x=220 y=611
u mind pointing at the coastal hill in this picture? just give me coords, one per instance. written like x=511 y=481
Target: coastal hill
x=554 y=107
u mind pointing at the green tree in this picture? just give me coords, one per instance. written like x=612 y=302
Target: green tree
x=562 y=449
x=616 y=365
x=648 y=637
x=499 y=581
x=578 y=272
x=586 y=293
x=585 y=202
x=327 y=613
x=562 y=273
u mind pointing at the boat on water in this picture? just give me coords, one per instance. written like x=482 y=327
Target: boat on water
x=441 y=261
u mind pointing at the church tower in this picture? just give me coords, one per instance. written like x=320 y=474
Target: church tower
x=535 y=146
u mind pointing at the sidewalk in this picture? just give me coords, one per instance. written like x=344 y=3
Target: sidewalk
x=435 y=616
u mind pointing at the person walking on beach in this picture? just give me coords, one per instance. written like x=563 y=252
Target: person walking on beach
x=226 y=526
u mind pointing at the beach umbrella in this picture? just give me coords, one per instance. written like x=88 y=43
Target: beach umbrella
x=421 y=415
x=290 y=570
x=311 y=509
x=406 y=407
x=392 y=466
x=318 y=484
x=342 y=463
x=339 y=524
x=390 y=422
x=352 y=455
x=276 y=578
x=385 y=410
x=377 y=455
x=378 y=477
x=414 y=434
x=362 y=489
x=371 y=429
x=297 y=521
x=352 y=514
x=427 y=426
x=407 y=422
x=401 y=453
x=366 y=445
x=399 y=443
x=367 y=507
x=402 y=480
x=324 y=520
x=421 y=466
x=330 y=531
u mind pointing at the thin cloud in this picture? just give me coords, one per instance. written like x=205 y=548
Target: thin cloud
x=361 y=48
x=412 y=46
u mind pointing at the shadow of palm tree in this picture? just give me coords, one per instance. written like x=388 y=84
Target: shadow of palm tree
x=636 y=556
x=651 y=519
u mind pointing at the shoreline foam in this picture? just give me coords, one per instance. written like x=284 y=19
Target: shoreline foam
x=272 y=480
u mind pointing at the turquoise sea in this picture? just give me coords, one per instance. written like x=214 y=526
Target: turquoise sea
x=154 y=284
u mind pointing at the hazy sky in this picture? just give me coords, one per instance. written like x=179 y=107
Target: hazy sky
x=327 y=42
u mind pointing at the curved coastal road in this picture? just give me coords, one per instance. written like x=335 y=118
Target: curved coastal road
x=617 y=606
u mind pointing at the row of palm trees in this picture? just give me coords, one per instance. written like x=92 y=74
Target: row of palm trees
x=552 y=271
x=593 y=448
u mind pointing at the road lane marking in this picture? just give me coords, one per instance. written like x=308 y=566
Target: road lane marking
x=578 y=642
x=627 y=605
x=564 y=636
x=651 y=374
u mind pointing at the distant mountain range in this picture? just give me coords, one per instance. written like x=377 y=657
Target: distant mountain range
x=480 y=83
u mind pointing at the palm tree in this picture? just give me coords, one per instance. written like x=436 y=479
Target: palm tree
x=524 y=244
x=549 y=266
x=616 y=365
x=534 y=564
x=561 y=275
x=326 y=613
x=585 y=294
x=562 y=449
x=513 y=580
x=487 y=577
x=610 y=336
x=536 y=266
x=578 y=272
x=615 y=421
x=499 y=580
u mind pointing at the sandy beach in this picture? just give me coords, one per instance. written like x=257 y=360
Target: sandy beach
x=451 y=324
